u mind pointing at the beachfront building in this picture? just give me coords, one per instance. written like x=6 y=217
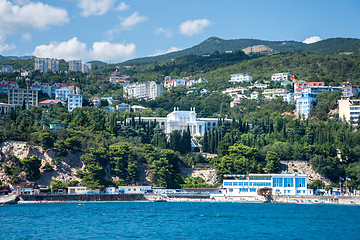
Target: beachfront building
x=240 y=77
x=349 y=110
x=279 y=184
x=181 y=120
x=20 y=96
x=304 y=105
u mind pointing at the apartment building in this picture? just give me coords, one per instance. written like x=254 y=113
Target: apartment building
x=349 y=110
x=240 y=77
x=18 y=96
x=146 y=90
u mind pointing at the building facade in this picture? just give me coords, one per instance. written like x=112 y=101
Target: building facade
x=280 y=77
x=6 y=85
x=304 y=105
x=240 y=77
x=74 y=101
x=273 y=93
x=349 y=110
x=146 y=90
x=280 y=184
x=45 y=64
x=18 y=96
x=7 y=69
x=181 y=120
x=63 y=93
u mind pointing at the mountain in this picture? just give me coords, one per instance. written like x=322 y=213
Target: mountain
x=217 y=44
x=15 y=57
x=332 y=46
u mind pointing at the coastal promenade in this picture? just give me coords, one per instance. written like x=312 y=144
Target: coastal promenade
x=101 y=197
x=104 y=197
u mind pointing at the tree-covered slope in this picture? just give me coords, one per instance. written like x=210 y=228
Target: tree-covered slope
x=333 y=46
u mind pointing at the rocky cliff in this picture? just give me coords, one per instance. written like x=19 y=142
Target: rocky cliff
x=65 y=170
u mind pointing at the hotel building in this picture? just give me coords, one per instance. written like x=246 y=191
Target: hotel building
x=280 y=184
x=240 y=77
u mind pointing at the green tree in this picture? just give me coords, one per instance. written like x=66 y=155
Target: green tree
x=273 y=164
x=31 y=166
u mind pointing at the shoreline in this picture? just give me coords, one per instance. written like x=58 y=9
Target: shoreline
x=343 y=200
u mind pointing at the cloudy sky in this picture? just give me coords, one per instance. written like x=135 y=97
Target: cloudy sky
x=117 y=30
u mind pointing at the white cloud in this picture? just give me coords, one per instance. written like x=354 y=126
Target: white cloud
x=16 y=18
x=94 y=7
x=122 y=7
x=132 y=20
x=26 y=37
x=74 y=49
x=161 y=52
x=106 y=51
x=193 y=27
x=6 y=47
x=313 y=39
x=167 y=32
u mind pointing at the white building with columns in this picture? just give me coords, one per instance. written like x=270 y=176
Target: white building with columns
x=181 y=120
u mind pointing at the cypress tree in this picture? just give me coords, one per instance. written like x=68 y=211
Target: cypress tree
x=205 y=141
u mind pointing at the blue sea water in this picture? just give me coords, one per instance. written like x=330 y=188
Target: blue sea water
x=147 y=220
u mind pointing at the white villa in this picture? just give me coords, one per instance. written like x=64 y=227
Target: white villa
x=240 y=77
x=248 y=186
x=181 y=120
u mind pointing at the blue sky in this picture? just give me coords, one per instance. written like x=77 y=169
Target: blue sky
x=117 y=30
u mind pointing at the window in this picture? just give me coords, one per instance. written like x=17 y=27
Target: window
x=277 y=182
x=231 y=190
x=300 y=182
x=235 y=183
x=252 y=189
x=288 y=182
x=227 y=183
x=246 y=183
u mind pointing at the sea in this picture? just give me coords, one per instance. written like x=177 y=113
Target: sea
x=179 y=220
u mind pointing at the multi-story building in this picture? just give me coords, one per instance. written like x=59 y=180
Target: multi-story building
x=75 y=100
x=299 y=86
x=254 y=95
x=146 y=90
x=349 y=110
x=320 y=89
x=233 y=91
x=189 y=83
x=78 y=66
x=44 y=65
x=86 y=67
x=349 y=90
x=273 y=93
x=120 y=79
x=7 y=69
x=63 y=93
x=240 y=186
x=18 y=96
x=280 y=77
x=181 y=120
x=45 y=88
x=240 y=77
x=75 y=66
x=123 y=107
x=304 y=105
x=173 y=82
x=5 y=86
